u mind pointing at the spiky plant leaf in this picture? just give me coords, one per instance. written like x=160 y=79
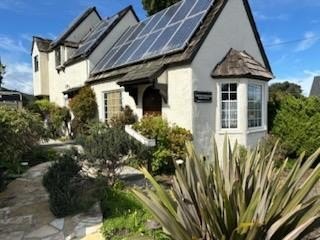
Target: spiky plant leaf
x=237 y=198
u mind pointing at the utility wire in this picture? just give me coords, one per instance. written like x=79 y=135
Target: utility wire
x=292 y=41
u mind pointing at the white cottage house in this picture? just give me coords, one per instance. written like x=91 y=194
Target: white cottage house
x=199 y=63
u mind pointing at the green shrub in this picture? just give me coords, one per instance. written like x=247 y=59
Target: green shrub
x=39 y=154
x=235 y=198
x=297 y=123
x=55 y=117
x=2 y=179
x=85 y=109
x=170 y=142
x=69 y=192
x=105 y=149
x=20 y=130
x=126 y=117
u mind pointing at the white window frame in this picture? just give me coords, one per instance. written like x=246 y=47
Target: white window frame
x=105 y=117
x=261 y=86
x=221 y=110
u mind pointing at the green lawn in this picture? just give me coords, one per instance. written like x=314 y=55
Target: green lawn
x=125 y=218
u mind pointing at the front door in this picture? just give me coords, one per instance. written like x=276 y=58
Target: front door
x=152 y=102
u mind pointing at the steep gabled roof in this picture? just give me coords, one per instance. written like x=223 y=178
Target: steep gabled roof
x=240 y=64
x=93 y=44
x=315 y=89
x=150 y=69
x=73 y=26
x=42 y=44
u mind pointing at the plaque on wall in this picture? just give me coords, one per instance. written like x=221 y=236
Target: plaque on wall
x=202 y=97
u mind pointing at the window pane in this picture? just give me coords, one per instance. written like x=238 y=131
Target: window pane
x=233 y=87
x=225 y=96
x=254 y=105
x=233 y=96
x=225 y=87
x=229 y=106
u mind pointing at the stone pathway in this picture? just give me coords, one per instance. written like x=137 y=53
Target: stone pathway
x=25 y=214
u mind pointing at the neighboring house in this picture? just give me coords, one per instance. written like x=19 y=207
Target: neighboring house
x=199 y=63
x=315 y=89
x=10 y=98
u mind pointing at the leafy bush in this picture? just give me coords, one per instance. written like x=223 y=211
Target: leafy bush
x=20 y=130
x=235 y=198
x=105 y=149
x=69 y=192
x=85 y=109
x=170 y=142
x=298 y=124
x=56 y=118
x=126 y=117
x=39 y=154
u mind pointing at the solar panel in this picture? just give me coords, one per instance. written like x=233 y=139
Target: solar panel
x=93 y=36
x=165 y=32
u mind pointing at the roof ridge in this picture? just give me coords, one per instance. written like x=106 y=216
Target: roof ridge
x=73 y=25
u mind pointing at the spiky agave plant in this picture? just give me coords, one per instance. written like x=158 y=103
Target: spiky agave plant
x=236 y=198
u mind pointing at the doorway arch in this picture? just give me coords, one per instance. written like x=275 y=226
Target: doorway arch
x=152 y=102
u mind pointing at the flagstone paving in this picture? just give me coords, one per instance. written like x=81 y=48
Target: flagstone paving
x=25 y=214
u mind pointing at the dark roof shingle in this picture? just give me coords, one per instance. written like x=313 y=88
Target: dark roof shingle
x=42 y=44
x=73 y=26
x=240 y=64
x=119 y=16
x=315 y=89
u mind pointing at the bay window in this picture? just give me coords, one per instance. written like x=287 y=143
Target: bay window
x=254 y=105
x=229 y=106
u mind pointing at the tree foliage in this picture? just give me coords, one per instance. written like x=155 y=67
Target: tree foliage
x=20 y=130
x=154 y=6
x=56 y=118
x=297 y=123
x=85 y=109
x=278 y=92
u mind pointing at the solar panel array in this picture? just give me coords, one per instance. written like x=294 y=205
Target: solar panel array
x=165 y=32
x=94 y=35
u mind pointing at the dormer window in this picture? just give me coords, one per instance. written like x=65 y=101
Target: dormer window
x=58 y=57
x=36 y=63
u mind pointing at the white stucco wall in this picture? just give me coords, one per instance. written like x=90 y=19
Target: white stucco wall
x=41 y=77
x=232 y=30
x=178 y=110
x=76 y=74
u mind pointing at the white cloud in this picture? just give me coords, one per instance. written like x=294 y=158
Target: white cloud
x=273 y=42
x=305 y=80
x=260 y=16
x=8 y=44
x=310 y=39
x=18 y=77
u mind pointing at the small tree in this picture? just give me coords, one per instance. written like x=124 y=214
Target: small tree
x=105 y=149
x=85 y=109
x=154 y=6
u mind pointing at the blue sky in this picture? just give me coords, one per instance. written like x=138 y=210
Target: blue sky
x=290 y=30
